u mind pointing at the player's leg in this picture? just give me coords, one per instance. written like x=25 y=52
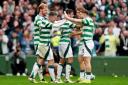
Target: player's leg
x=88 y=47
x=61 y=63
x=92 y=76
x=41 y=52
x=51 y=68
x=82 y=67
x=81 y=60
x=68 y=69
x=36 y=68
x=69 y=58
x=40 y=73
x=59 y=70
x=88 y=67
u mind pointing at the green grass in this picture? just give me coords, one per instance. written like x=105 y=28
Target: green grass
x=100 y=80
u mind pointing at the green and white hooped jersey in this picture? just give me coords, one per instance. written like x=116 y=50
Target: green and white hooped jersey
x=36 y=31
x=42 y=29
x=88 y=29
x=66 y=30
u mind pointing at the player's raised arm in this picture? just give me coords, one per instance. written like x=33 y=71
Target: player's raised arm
x=81 y=16
x=72 y=19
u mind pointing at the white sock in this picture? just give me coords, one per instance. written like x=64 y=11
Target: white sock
x=68 y=70
x=59 y=71
x=40 y=73
x=51 y=72
x=82 y=74
x=85 y=74
x=35 y=70
x=88 y=75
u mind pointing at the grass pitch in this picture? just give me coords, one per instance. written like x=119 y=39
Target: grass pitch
x=100 y=80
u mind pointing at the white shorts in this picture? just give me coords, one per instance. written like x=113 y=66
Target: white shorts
x=44 y=52
x=65 y=51
x=85 y=49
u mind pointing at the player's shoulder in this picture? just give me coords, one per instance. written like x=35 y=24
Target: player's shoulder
x=38 y=17
x=88 y=18
x=69 y=22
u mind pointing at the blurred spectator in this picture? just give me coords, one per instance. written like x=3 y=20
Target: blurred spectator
x=27 y=43
x=17 y=59
x=17 y=28
x=115 y=29
x=89 y=4
x=79 y=3
x=123 y=48
x=17 y=16
x=102 y=5
x=23 y=5
x=96 y=38
x=101 y=19
x=3 y=42
x=5 y=8
x=13 y=41
x=28 y=23
x=110 y=9
x=11 y=6
x=111 y=42
x=5 y=27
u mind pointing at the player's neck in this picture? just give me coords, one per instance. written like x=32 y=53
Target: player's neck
x=86 y=16
x=41 y=15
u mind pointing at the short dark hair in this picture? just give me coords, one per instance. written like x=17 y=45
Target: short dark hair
x=52 y=13
x=69 y=11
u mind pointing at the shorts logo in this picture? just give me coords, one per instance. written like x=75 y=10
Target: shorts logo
x=82 y=50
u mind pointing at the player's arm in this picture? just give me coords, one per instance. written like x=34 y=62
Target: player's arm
x=56 y=25
x=76 y=21
x=74 y=33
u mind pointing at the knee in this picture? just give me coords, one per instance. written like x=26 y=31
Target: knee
x=70 y=60
x=40 y=61
x=50 y=62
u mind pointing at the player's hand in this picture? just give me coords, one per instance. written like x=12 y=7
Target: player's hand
x=65 y=15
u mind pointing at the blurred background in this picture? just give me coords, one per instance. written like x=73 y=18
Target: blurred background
x=110 y=55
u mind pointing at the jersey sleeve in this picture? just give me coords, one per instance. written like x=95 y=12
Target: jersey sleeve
x=88 y=22
x=44 y=23
x=57 y=24
x=85 y=21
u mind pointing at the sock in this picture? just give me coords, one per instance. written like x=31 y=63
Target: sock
x=40 y=73
x=82 y=74
x=85 y=74
x=59 y=71
x=51 y=72
x=88 y=75
x=68 y=70
x=35 y=69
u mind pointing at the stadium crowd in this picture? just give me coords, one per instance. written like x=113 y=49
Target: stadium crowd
x=110 y=17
